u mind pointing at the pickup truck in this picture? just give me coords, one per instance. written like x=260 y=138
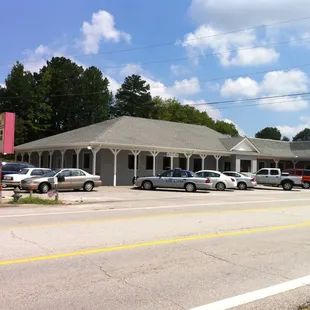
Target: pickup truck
x=274 y=177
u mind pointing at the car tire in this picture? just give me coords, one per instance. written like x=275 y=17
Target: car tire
x=287 y=185
x=147 y=185
x=190 y=187
x=242 y=186
x=44 y=188
x=88 y=186
x=220 y=186
x=306 y=185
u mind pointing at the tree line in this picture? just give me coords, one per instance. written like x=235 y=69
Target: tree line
x=64 y=96
x=273 y=133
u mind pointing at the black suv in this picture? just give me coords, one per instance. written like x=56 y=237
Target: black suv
x=13 y=167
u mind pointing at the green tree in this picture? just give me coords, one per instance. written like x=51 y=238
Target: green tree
x=271 y=133
x=226 y=128
x=134 y=98
x=22 y=96
x=96 y=97
x=60 y=81
x=284 y=138
x=303 y=135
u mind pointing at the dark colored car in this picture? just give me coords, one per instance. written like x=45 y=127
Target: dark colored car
x=13 y=167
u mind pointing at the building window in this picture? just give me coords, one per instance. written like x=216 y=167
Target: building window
x=261 y=165
x=166 y=163
x=149 y=163
x=197 y=164
x=227 y=166
x=182 y=163
x=74 y=161
x=86 y=161
x=131 y=162
x=41 y=160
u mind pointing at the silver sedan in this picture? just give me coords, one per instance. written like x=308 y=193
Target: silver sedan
x=243 y=181
x=176 y=178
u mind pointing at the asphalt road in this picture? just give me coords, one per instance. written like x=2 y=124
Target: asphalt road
x=168 y=250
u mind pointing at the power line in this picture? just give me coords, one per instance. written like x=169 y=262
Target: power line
x=188 y=40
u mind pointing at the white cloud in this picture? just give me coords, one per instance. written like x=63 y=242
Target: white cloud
x=131 y=69
x=179 y=70
x=202 y=106
x=36 y=59
x=291 y=131
x=2 y=85
x=242 y=86
x=275 y=83
x=101 y=27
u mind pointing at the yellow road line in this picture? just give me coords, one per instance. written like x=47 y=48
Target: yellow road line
x=153 y=243
x=146 y=217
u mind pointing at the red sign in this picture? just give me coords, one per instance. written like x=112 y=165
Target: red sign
x=7 y=132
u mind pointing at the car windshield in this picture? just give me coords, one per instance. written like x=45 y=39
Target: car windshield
x=50 y=174
x=23 y=171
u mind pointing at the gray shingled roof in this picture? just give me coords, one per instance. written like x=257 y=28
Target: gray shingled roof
x=135 y=132
x=301 y=148
x=229 y=143
x=272 y=147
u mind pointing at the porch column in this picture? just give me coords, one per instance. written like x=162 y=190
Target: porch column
x=40 y=154
x=154 y=154
x=22 y=156
x=203 y=157
x=188 y=157
x=115 y=152
x=171 y=162
x=277 y=162
x=294 y=163
x=77 y=152
x=29 y=157
x=62 y=158
x=135 y=154
x=95 y=151
x=238 y=165
x=51 y=158
x=217 y=158
x=254 y=165
x=16 y=155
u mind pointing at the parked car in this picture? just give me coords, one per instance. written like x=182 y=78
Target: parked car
x=66 y=178
x=274 y=177
x=219 y=180
x=304 y=173
x=174 y=178
x=243 y=181
x=13 y=167
x=14 y=179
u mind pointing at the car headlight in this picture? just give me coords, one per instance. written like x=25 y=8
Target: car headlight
x=8 y=178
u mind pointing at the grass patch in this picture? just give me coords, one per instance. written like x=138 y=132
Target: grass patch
x=36 y=201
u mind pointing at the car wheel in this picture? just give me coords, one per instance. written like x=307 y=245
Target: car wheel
x=190 y=187
x=306 y=185
x=44 y=188
x=242 y=186
x=88 y=186
x=287 y=186
x=220 y=186
x=147 y=185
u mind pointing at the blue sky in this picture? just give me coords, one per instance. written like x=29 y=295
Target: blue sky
x=202 y=62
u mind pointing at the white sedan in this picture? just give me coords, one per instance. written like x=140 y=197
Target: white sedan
x=219 y=180
x=13 y=180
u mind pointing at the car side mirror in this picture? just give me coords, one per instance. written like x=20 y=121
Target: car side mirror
x=61 y=179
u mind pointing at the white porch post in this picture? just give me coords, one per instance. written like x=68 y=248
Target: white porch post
x=29 y=157
x=135 y=154
x=115 y=152
x=238 y=164
x=51 y=158
x=95 y=151
x=254 y=165
x=171 y=162
x=62 y=158
x=217 y=158
x=22 y=156
x=40 y=154
x=16 y=155
x=188 y=157
x=203 y=157
x=277 y=162
x=154 y=154
x=77 y=152
x=294 y=163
